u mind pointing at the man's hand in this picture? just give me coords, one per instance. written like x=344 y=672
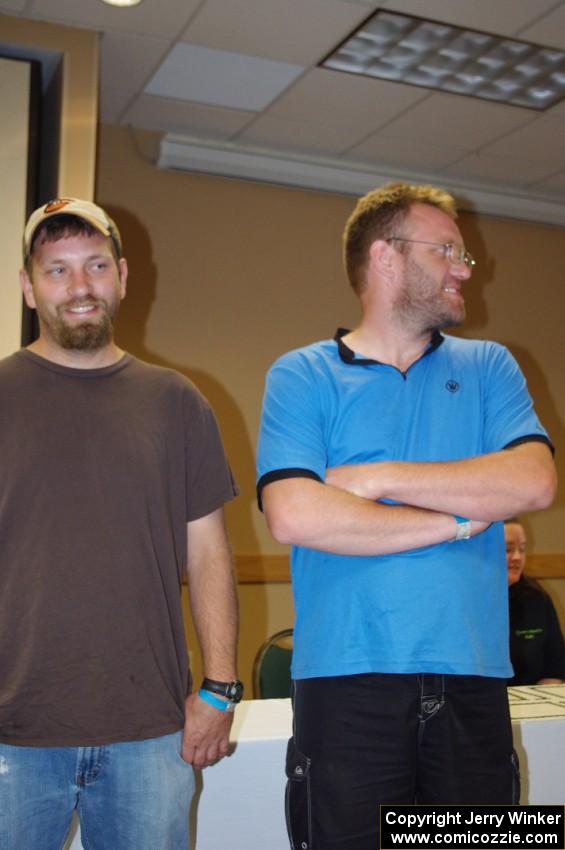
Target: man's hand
x=206 y=732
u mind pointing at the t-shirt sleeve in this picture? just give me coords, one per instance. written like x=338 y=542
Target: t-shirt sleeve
x=209 y=480
x=510 y=418
x=291 y=436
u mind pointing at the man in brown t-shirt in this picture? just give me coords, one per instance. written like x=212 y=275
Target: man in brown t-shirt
x=113 y=484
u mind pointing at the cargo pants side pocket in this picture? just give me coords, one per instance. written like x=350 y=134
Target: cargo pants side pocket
x=298 y=799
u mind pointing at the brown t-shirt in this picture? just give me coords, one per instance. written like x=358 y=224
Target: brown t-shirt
x=100 y=472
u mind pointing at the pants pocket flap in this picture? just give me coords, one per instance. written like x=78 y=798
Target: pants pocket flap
x=297 y=764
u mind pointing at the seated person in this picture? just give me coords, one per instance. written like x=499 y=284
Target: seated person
x=537 y=649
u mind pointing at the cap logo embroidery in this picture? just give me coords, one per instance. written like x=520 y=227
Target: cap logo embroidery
x=57 y=204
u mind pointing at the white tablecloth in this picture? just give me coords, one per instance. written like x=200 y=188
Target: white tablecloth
x=240 y=801
x=538 y=726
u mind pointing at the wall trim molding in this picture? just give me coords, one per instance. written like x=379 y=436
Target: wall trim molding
x=542 y=565
x=259 y=569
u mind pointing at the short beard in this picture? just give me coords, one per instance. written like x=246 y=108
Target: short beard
x=84 y=337
x=421 y=306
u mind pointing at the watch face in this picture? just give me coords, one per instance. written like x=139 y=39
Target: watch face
x=235 y=691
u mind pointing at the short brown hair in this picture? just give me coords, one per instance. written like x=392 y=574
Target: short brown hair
x=60 y=227
x=379 y=215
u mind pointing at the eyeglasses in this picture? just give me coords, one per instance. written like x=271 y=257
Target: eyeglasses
x=452 y=253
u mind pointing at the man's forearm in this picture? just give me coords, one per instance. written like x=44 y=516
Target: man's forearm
x=213 y=604
x=487 y=487
x=213 y=598
x=303 y=512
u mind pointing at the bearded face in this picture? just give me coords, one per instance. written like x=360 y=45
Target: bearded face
x=76 y=285
x=429 y=297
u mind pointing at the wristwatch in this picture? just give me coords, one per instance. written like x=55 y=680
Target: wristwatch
x=233 y=691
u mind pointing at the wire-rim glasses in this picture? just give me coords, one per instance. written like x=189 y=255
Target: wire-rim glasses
x=457 y=255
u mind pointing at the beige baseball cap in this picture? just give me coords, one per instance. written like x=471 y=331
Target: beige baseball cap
x=86 y=210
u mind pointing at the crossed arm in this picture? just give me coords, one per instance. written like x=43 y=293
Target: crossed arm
x=213 y=602
x=342 y=515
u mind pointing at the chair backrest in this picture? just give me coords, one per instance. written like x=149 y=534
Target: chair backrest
x=271 y=669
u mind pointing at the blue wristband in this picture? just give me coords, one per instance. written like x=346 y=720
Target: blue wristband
x=463 y=531
x=215 y=702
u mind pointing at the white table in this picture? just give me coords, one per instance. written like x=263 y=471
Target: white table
x=240 y=801
x=538 y=726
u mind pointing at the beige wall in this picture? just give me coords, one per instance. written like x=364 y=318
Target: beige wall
x=14 y=97
x=225 y=275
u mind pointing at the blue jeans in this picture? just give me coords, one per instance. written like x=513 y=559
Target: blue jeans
x=128 y=796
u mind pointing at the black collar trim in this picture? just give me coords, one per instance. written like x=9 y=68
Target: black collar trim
x=348 y=356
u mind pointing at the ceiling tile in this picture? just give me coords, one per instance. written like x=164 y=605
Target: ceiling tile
x=369 y=3
x=148 y=18
x=296 y=31
x=557 y=111
x=550 y=29
x=410 y=153
x=9 y=7
x=220 y=78
x=127 y=61
x=554 y=185
x=176 y=116
x=334 y=97
x=500 y=170
x=503 y=17
x=461 y=122
x=525 y=141
x=307 y=137
x=112 y=104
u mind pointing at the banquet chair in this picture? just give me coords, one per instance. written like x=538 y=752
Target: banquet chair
x=271 y=668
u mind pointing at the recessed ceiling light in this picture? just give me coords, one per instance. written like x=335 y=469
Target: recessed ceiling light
x=121 y=2
x=405 y=49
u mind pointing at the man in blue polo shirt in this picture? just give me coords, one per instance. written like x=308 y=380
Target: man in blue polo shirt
x=388 y=457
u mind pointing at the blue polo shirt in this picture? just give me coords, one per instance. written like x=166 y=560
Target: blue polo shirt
x=437 y=609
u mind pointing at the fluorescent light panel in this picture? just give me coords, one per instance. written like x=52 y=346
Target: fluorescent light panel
x=406 y=49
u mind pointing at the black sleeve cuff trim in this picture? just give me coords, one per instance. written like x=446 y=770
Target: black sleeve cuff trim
x=279 y=475
x=532 y=438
